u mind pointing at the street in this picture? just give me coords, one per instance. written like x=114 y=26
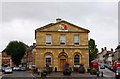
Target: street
x=18 y=74
x=107 y=74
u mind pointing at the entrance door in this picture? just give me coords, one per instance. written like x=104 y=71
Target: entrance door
x=62 y=62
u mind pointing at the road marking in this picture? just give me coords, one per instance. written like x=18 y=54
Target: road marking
x=107 y=76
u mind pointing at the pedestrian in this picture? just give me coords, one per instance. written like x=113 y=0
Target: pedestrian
x=47 y=67
x=55 y=69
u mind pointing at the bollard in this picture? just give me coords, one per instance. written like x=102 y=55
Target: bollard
x=98 y=74
x=43 y=74
x=38 y=73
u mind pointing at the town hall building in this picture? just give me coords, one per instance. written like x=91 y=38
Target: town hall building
x=60 y=42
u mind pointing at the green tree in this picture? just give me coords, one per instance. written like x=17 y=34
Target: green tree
x=93 y=50
x=17 y=50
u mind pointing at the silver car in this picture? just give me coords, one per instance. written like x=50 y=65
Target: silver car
x=8 y=70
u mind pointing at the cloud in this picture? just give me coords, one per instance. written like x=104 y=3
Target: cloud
x=20 y=19
x=18 y=29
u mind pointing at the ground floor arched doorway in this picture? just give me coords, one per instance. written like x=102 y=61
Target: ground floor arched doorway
x=62 y=60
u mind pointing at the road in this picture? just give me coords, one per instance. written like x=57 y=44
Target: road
x=17 y=75
x=27 y=75
x=107 y=72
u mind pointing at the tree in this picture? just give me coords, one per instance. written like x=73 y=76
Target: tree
x=93 y=50
x=17 y=50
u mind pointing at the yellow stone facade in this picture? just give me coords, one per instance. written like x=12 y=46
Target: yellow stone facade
x=60 y=53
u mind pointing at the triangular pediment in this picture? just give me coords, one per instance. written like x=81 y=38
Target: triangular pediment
x=62 y=26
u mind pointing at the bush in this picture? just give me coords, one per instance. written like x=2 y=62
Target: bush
x=88 y=70
x=93 y=71
x=75 y=69
x=51 y=69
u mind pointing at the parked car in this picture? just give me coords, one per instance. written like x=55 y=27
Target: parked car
x=94 y=64
x=117 y=73
x=116 y=64
x=102 y=66
x=8 y=70
x=22 y=68
x=2 y=68
x=16 y=68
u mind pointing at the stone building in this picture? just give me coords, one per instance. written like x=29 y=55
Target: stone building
x=6 y=59
x=105 y=56
x=60 y=42
x=0 y=60
x=116 y=55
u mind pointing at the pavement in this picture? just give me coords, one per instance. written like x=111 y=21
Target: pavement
x=60 y=74
x=0 y=73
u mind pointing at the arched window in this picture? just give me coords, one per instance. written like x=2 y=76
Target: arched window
x=76 y=60
x=48 y=58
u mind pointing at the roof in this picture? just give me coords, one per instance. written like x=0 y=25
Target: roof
x=62 y=21
x=118 y=47
x=51 y=24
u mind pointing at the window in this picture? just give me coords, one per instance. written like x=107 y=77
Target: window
x=48 y=59
x=62 y=39
x=76 y=60
x=76 y=39
x=48 y=39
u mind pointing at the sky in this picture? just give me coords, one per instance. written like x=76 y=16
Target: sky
x=21 y=18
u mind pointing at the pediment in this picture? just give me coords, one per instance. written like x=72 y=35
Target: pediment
x=62 y=26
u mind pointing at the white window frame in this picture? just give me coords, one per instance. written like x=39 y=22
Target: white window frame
x=48 y=56
x=77 y=60
x=62 y=39
x=48 y=39
x=76 y=39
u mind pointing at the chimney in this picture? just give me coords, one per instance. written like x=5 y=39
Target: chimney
x=58 y=20
x=111 y=49
x=102 y=49
x=34 y=45
x=105 y=48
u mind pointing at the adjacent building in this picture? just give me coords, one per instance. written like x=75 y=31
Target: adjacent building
x=0 y=60
x=116 y=55
x=105 y=56
x=28 y=58
x=60 y=42
x=6 y=59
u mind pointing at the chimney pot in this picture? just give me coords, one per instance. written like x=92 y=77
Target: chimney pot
x=105 y=48
x=102 y=49
x=58 y=19
x=111 y=49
